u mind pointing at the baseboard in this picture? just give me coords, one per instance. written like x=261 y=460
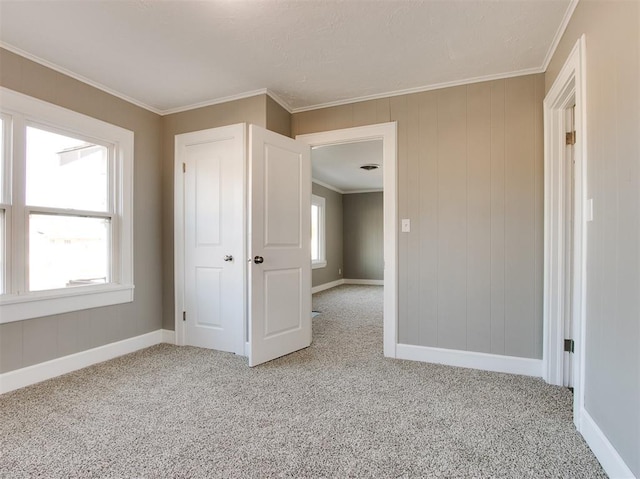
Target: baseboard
x=325 y=286
x=470 y=359
x=56 y=367
x=168 y=336
x=604 y=451
x=371 y=282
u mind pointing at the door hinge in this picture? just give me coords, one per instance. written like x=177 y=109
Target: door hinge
x=184 y=315
x=184 y=167
x=569 y=345
x=571 y=138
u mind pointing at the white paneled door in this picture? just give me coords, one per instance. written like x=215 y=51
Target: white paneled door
x=243 y=242
x=279 y=245
x=213 y=176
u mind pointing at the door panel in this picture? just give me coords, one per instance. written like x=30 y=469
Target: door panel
x=214 y=229
x=281 y=313
x=280 y=234
x=282 y=198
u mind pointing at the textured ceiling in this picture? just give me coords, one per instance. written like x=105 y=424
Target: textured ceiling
x=171 y=55
x=339 y=166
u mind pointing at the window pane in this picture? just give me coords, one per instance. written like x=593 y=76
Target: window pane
x=67 y=251
x=64 y=172
x=315 y=244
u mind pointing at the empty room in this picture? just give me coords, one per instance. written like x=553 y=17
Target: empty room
x=320 y=239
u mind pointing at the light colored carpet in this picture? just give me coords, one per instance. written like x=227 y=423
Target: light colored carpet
x=336 y=409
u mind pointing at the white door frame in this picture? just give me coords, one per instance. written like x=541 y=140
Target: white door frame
x=387 y=132
x=568 y=87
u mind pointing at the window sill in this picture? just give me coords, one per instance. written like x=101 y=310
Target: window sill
x=47 y=303
x=318 y=264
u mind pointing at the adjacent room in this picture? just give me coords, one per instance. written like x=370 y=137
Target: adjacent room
x=452 y=187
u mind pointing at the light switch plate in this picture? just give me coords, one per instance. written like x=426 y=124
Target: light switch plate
x=588 y=211
x=406 y=225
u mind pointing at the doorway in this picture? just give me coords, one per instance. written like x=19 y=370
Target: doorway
x=566 y=212
x=386 y=133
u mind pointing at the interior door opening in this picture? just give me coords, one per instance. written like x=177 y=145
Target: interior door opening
x=342 y=154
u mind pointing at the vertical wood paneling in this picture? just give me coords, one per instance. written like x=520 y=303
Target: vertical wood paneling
x=538 y=166
x=497 y=218
x=470 y=179
x=479 y=217
x=428 y=252
x=406 y=328
x=412 y=195
x=519 y=217
x=452 y=218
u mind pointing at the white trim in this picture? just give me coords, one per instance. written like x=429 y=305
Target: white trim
x=420 y=89
x=559 y=33
x=168 y=336
x=470 y=359
x=284 y=104
x=216 y=101
x=66 y=364
x=610 y=460
x=46 y=303
x=19 y=304
x=570 y=85
x=327 y=186
x=320 y=202
x=275 y=97
x=370 y=282
x=80 y=78
x=357 y=192
x=325 y=286
x=388 y=133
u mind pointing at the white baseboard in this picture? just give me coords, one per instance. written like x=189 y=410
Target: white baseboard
x=611 y=462
x=325 y=286
x=338 y=282
x=470 y=359
x=168 y=336
x=371 y=282
x=56 y=367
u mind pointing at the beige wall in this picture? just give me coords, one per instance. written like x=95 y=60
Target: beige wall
x=250 y=110
x=278 y=119
x=33 y=341
x=612 y=376
x=470 y=178
x=363 y=236
x=333 y=236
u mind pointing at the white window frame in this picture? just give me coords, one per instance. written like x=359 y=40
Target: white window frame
x=320 y=202
x=18 y=303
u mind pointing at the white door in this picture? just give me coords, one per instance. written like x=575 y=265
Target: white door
x=214 y=255
x=279 y=246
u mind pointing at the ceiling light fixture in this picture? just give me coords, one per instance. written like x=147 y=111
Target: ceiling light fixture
x=370 y=167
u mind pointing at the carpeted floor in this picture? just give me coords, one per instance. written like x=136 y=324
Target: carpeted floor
x=336 y=409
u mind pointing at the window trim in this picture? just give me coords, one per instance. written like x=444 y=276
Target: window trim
x=320 y=202
x=18 y=303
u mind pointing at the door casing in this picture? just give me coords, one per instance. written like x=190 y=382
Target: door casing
x=387 y=132
x=568 y=87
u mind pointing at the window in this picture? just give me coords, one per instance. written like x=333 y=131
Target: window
x=65 y=210
x=318 y=258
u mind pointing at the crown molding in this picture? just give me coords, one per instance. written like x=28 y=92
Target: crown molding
x=80 y=78
x=559 y=33
x=327 y=186
x=409 y=91
x=217 y=101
